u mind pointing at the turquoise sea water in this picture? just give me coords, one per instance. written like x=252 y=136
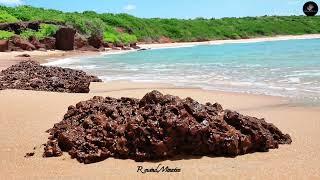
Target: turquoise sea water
x=282 y=68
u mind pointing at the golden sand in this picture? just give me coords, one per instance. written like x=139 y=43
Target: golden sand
x=26 y=115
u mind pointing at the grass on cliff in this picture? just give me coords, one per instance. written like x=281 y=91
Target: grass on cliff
x=4 y=35
x=124 y=28
x=46 y=30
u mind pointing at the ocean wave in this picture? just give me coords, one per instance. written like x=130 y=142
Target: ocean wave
x=63 y=61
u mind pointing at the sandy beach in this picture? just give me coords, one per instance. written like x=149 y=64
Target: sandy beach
x=218 y=42
x=26 y=115
x=30 y=114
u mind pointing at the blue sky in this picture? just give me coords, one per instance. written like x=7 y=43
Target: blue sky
x=174 y=8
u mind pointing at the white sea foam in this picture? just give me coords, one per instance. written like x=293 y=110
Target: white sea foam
x=62 y=62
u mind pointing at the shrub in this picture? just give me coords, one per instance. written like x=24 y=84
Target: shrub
x=110 y=37
x=128 y=38
x=4 y=35
x=28 y=33
x=46 y=30
x=5 y=17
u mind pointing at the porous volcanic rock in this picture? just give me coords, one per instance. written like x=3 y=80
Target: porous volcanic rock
x=65 y=38
x=157 y=127
x=30 y=75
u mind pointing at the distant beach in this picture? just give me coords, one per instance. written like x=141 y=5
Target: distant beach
x=217 y=42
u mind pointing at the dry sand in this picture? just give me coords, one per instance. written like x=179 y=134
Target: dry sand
x=26 y=115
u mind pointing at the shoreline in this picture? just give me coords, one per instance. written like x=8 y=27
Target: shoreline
x=220 y=42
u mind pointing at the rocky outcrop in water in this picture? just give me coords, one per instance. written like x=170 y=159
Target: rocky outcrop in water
x=30 y=75
x=157 y=127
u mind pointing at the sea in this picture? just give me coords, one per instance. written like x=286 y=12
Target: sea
x=289 y=68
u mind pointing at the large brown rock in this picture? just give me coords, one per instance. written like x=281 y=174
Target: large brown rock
x=49 y=42
x=4 y=45
x=164 y=39
x=96 y=41
x=21 y=43
x=30 y=75
x=65 y=39
x=80 y=41
x=157 y=127
x=34 y=41
x=134 y=46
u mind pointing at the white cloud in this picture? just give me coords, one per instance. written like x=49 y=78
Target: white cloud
x=11 y=2
x=129 y=7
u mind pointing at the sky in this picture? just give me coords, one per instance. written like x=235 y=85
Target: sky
x=174 y=8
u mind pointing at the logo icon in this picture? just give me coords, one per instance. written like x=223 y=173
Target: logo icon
x=310 y=8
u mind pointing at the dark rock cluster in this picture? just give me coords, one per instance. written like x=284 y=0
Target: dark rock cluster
x=30 y=75
x=18 y=27
x=157 y=127
x=66 y=39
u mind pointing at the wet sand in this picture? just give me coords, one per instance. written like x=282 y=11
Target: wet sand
x=10 y=58
x=26 y=115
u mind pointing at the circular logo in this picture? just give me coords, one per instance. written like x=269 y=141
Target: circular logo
x=310 y=8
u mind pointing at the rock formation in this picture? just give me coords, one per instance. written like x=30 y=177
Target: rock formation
x=65 y=39
x=49 y=42
x=34 y=41
x=29 y=75
x=157 y=127
x=96 y=41
x=4 y=45
x=80 y=41
x=18 y=27
x=20 y=43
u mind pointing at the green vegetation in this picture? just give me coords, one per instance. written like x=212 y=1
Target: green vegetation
x=6 y=17
x=4 y=35
x=124 y=28
x=46 y=30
